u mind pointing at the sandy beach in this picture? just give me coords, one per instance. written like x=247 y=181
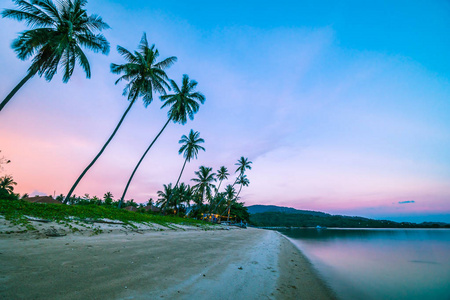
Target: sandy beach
x=170 y=264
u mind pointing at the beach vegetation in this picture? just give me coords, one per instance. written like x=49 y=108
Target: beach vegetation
x=204 y=183
x=19 y=210
x=59 y=32
x=7 y=185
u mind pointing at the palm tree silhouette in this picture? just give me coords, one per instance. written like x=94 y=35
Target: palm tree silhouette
x=183 y=194
x=204 y=182
x=144 y=76
x=242 y=181
x=222 y=174
x=183 y=104
x=190 y=148
x=59 y=32
x=165 y=196
x=7 y=184
x=243 y=164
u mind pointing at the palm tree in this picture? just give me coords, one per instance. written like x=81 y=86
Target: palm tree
x=165 y=196
x=7 y=184
x=243 y=181
x=204 y=181
x=222 y=174
x=227 y=195
x=108 y=198
x=58 y=34
x=183 y=104
x=190 y=148
x=229 y=192
x=243 y=164
x=144 y=75
x=182 y=194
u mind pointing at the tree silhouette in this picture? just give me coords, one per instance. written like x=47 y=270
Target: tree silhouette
x=144 y=75
x=56 y=38
x=183 y=104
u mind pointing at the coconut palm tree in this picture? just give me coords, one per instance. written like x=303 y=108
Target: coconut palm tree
x=204 y=181
x=7 y=184
x=222 y=174
x=182 y=194
x=183 y=103
x=165 y=196
x=56 y=38
x=190 y=148
x=242 y=181
x=144 y=75
x=243 y=164
x=108 y=198
x=228 y=194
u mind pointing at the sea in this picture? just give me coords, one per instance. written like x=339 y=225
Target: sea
x=379 y=263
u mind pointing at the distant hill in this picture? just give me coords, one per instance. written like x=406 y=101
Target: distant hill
x=279 y=216
x=257 y=209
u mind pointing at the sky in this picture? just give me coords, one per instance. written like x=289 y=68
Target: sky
x=342 y=106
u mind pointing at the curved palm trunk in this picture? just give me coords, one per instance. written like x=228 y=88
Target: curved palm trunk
x=229 y=207
x=14 y=91
x=101 y=151
x=182 y=169
x=217 y=191
x=215 y=195
x=237 y=178
x=178 y=180
x=137 y=166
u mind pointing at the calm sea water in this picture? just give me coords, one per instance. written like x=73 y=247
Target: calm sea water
x=379 y=263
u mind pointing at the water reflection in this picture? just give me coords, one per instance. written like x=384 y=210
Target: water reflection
x=380 y=263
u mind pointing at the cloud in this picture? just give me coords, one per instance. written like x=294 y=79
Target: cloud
x=406 y=202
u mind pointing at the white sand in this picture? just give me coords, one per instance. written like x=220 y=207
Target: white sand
x=194 y=264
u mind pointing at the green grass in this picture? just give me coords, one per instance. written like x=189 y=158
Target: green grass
x=16 y=210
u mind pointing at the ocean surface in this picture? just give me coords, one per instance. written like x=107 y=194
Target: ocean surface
x=379 y=263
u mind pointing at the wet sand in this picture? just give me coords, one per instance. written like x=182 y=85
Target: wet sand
x=221 y=264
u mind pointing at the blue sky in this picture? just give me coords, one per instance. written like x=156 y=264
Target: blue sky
x=342 y=106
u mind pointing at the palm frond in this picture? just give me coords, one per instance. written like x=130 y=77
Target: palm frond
x=166 y=63
x=83 y=61
x=32 y=20
x=143 y=44
x=129 y=57
x=94 y=42
x=49 y=7
x=95 y=22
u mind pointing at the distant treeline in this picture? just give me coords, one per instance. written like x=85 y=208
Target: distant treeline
x=282 y=219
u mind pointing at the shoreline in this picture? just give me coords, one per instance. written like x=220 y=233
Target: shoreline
x=169 y=264
x=298 y=276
